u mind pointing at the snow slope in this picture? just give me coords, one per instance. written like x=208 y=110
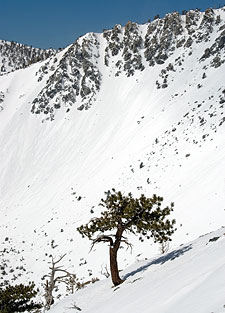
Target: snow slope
x=188 y=279
x=63 y=145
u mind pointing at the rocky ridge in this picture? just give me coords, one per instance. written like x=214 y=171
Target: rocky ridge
x=76 y=77
x=123 y=51
x=14 y=56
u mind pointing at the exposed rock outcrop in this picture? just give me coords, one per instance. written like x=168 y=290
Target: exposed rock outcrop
x=14 y=56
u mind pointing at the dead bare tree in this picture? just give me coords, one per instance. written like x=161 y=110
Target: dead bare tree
x=57 y=274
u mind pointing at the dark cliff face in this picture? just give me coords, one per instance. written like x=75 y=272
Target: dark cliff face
x=14 y=56
x=75 y=78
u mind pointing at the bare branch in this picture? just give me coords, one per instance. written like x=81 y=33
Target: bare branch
x=59 y=278
x=129 y=245
x=101 y=238
x=60 y=258
x=64 y=271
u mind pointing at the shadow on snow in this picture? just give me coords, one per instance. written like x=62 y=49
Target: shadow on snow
x=161 y=260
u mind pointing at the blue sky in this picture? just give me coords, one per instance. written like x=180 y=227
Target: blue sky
x=57 y=23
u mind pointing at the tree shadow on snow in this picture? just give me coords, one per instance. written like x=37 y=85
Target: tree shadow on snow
x=161 y=260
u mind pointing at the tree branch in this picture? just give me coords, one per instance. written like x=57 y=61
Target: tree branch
x=102 y=238
x=60 y=258
x=129 y=245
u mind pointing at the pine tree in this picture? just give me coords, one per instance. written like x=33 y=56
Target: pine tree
x=143 y=216
x=18 y=298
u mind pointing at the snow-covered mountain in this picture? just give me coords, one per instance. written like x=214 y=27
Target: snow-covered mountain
x=139 y=108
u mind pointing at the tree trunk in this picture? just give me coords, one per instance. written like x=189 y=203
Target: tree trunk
x=114 y=267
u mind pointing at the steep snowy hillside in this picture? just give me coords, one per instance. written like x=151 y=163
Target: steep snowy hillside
x=14 y=56
x=189 y=279
x=139 y=108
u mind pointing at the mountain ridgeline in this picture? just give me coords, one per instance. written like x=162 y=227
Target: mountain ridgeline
x=15 y=56
x=124 y=51
x=77 y=77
